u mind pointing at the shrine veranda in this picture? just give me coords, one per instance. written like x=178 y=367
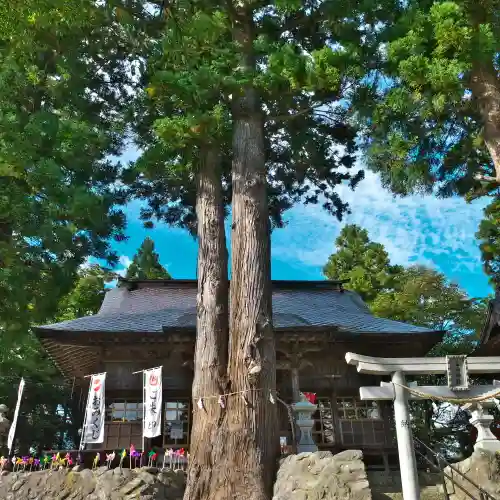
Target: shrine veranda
x=149 y=323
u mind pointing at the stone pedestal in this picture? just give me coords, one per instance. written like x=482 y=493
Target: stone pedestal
x=482 y=420
x=303 y=412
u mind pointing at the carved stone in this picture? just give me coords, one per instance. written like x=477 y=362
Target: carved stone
x=303 y=418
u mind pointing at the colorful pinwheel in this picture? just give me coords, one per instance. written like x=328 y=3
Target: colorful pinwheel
x=109 y=458
x=96 y=461
x=122 y=457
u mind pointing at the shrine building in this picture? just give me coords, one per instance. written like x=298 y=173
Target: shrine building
x=147 y=323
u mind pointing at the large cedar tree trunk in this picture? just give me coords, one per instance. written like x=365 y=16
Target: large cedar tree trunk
x=486 y=89
x=248 y=459
x=210 y=362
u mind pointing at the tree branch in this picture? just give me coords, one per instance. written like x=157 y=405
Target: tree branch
x=300 y=112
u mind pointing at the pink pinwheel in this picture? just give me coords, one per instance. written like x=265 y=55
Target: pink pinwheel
x=109 y=458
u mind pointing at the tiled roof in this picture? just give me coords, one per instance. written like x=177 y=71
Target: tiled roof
x=150 y=309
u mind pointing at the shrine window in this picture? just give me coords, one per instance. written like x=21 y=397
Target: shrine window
x=323 y=431
x=360 y=423
x=177 y=423
x=355 y=409
x=124 y=411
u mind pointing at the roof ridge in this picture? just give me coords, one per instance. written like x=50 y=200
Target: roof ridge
x=280 y=284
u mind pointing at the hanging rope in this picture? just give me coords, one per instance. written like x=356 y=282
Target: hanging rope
x=442 y=399
x=217 y=396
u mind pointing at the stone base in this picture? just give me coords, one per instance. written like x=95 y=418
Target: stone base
x=322 y=476
x=482 y=467
x=307 y=448
x=99 y=484
x=488 y=445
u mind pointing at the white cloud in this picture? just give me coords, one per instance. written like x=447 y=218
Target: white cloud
x=89 y=261
x=414 y=229
x=124 y=263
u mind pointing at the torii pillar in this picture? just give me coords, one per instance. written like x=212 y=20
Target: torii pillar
x=457 y=369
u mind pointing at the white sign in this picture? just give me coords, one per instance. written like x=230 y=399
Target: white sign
x=152 y=402
x=93 y=428
x=12 y=430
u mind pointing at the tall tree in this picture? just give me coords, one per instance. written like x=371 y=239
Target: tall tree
x=363 y=262
x=58 y=125
x=146 y=265
x=259 y=83
x=63 y=73
x=434 y=119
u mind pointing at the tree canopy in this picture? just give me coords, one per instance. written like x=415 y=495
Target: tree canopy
x=58 y=126
x=191 y=76
x=146 y=263
x=433 y=114
x=363 y=262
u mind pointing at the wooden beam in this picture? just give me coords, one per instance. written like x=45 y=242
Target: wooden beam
x=418 y=366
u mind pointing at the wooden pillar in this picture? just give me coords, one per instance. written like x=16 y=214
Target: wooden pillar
x=294 y=374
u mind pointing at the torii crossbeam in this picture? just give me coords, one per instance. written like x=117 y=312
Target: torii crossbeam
x=457 y=369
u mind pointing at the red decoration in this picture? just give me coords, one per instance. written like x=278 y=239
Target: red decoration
x=311 y=397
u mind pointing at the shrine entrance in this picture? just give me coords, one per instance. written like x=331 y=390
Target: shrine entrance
x=476 y=399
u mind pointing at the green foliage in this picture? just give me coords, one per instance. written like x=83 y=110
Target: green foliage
x=424 y=110
x=363 y=262
x=86 y=296
x=63 y=77
x=425 y=297
x=146 y=264
x=308 y=59
x=58 y=125
x=489 y=236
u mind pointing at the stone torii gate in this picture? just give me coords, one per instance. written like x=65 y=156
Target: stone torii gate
x=458 y=390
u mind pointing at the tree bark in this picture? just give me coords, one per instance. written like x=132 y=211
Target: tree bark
x=212 y=335
x=248 y=460
x=486 y=89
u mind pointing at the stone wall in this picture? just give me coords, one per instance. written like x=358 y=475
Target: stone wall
x=482 y=468
x=321 y=475
x=101 y=484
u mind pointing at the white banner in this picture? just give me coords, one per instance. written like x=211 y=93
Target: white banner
x=152 y=402
x=93 y=426
x=12 y=430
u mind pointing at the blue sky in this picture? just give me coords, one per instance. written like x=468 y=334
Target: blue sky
x=416 y=229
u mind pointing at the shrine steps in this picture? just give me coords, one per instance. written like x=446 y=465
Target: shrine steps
x=387 y=485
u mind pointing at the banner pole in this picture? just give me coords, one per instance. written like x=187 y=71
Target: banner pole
x=82 y=437
x=12 y=430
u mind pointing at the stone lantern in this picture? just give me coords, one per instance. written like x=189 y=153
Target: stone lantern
x=303 y=412
x=482 y=420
